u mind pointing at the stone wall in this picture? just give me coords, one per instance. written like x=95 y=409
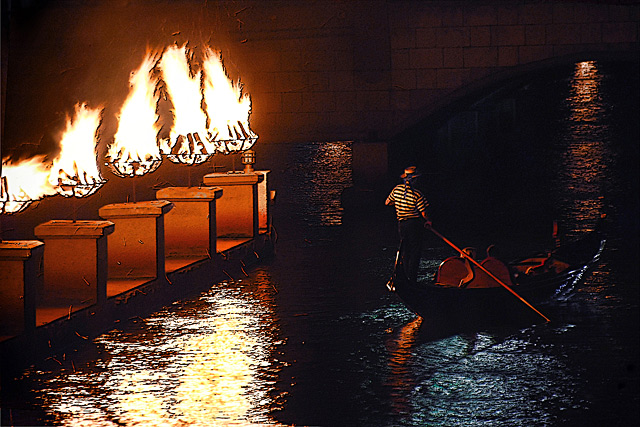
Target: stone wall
x=444 y=50
x=322 y=70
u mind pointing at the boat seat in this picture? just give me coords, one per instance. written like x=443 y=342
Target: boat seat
x=453 y=271
x=495 y=267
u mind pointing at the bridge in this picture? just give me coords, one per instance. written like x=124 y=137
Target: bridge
x=368 y=70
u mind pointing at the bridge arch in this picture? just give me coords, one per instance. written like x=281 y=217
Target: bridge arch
x=463 y=113
x=438 y=112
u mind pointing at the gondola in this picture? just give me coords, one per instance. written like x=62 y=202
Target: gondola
x=534 y=279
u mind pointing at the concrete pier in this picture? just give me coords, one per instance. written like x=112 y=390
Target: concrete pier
x=237 y=212
x=190 y=227
x=172 y=247
x=75 y=265
x=20 y=274
x=136 y=248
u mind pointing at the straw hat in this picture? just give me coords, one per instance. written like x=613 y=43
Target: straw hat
x=410 y=172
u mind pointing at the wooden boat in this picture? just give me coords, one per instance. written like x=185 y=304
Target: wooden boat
x=535 y=278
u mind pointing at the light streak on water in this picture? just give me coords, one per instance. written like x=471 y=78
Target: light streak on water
x=204 y=362
x=322 y=170
x=584 y=162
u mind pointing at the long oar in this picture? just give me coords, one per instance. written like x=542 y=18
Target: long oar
x=390 y=285
x=477 y=264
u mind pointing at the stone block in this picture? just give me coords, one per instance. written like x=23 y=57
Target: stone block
x=507 y=56
x=190 y=227
x=75 y=261
x=453 y=57
x=406 y=38
x=536 y=13
x=424 y=38
x=237 y=210
x=528 y=54
x=372 y=100
x=508 y=14
x=508 y=35
x=480 y=15
x=268 y=102
x=563 y=34
x=136 y=247
x=535 y=35
x=20 y=279
x=427 y=79
x=291 y=102
x=453 y=37
x=452 y=79
x=480 y=36
x=480 y=57
x=452 y=16
x=315 y=102
x=591 y=33
x=425 y=58
x=623 y=32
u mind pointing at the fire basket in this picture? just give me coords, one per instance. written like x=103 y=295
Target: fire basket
x=188 y=150
x=236 y=145
x=133 y=168
x=12 y=204
x=70 y=187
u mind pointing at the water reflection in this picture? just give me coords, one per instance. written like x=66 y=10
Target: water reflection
x=400 y=353
x=479 y=379
x=584 y=163
x=585 y=99
x=322 y=173
x=205 y=362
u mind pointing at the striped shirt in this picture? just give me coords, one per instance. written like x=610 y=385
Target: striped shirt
x=409 y=202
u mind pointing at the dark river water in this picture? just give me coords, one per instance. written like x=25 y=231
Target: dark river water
x=312 y=337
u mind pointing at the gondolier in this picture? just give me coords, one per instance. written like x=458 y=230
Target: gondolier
x=411 y=212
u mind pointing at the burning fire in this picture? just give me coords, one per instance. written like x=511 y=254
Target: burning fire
x=23 y=183
x=135 y=149
x=210 y=115
x=75 y=171
x=228 y=109
x=187 y=139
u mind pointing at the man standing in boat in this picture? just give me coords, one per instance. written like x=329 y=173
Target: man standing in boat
x=411 y=212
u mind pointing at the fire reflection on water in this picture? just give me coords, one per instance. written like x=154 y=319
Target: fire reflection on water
x=586 y=137
x=400 y=353
x=327 y=168
x=207 y=362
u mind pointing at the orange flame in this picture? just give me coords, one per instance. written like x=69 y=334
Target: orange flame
x=24 y=182
x=135 y=149
x=75 y=171
x=228 y=109
x=187 y=139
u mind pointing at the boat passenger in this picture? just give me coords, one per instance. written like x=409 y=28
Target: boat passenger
x=548 y=264
x=411 y=212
